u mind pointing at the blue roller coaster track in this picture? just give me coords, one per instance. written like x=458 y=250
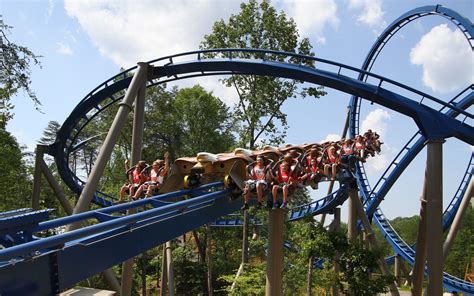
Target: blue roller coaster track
x=34 y=245
x=374 y=196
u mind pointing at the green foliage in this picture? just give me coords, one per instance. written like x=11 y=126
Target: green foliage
x=204 y=121
x=15 y=182
x=15 y=73
x=258 y=25
x=190 y=275
x=251 y=282
x=462 y=251
x=356 y=264
x=183 y=122
x=407 y=227
x=49 y=133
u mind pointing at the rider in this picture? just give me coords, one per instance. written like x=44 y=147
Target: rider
x=313 y=172
x=158 y=173
x=332 y=160
x=257 y=179
x=360 y=147
x=135 y=179
x=285 y=179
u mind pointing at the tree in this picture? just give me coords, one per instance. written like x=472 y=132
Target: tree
x=462 y=251
x=15 y=183
x=258 y=25
x=15 y=73
x=205 y=121
x=186 y=122
x=49 y=133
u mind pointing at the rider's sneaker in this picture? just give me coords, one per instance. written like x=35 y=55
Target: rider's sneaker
x=245 y=207
x=283 y=205
x=275 y=206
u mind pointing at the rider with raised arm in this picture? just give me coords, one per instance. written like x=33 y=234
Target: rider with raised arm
x=158 y=173
x=136 y=177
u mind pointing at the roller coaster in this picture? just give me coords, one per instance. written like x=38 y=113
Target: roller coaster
x=32 y=245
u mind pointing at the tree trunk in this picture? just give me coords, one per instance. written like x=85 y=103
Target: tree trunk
x=210 y=289
x=202 y=251
x=310 y=277
x=143 y=274
x=245 y=239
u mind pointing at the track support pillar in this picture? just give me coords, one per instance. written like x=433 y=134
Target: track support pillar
x=275 y=253
x=164 y=276
x=398 y=262
x=335 y=226
x=37 y=177
x=137 y=143
x=83 y=204
x=169 y=268
x=420 y=256
x=466 y=200
x=352 y=220
x=434 y=196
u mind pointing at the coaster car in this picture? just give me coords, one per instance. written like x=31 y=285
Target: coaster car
x=208 y=167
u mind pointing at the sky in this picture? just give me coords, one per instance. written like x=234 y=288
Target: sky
x=83 y=43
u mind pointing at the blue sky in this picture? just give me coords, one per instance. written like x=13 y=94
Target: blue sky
x=85 y=42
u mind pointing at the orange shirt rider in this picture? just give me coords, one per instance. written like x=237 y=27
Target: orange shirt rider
x=137 y=177
x=285 y=175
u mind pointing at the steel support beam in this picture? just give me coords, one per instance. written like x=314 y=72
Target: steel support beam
x=275 y=253
x=108 y=274
x=245 y=238
x=359 y=208
x=397 y=269
x=420 y=256
x=352 y=220
x=169 y=268
x=434 y=195
x=210 y=289
x=336 y=226
x=137 y=143
x=56 y=187
x=164 y=276
x=37 y=177
x=466 y=200
x=105 y=152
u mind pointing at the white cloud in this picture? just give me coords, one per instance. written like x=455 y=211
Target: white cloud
x=51 y=5
x=371 y=13
x=63 y=48
x=129 y=32
x=70 y=36
x=446 y=58
x=331 y=137
x=376 y=121
x=133 y=31
x=312 y=17
x=380 y=162
x=211 y=83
